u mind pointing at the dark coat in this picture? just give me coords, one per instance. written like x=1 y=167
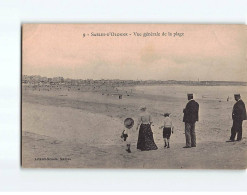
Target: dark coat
x=191 y=112
x=239 y=111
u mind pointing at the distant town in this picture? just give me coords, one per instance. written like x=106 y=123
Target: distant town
x=40 y=80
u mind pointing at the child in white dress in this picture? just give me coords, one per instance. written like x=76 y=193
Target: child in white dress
x=127 y=134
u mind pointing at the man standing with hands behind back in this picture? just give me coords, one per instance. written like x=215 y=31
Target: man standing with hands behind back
x=238 y=115
x=190 y=117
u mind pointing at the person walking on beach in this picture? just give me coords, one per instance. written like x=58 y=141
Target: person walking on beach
x=127 y=134
x=167 y=129
x=190 y=117
x=238 y=115
x=145 y=138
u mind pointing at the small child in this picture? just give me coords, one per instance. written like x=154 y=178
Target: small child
x=167 y=129
x=127 y=133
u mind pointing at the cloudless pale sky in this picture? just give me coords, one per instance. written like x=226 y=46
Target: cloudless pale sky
x=205 y=52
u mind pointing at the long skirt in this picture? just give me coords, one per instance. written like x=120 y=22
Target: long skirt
x=145 y=138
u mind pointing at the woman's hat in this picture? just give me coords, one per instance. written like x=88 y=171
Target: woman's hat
x=128 y=123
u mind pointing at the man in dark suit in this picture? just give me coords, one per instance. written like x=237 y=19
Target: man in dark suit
x=238 y=115
x=190 y=117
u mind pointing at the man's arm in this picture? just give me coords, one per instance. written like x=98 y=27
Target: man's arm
x=242 y=111
x=197 y=112
x=237 y=111
x=186 y=108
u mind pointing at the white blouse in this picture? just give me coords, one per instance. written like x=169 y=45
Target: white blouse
x=168 y=122
x=144 y=118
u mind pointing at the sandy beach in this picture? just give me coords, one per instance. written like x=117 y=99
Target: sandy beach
x=81 y=129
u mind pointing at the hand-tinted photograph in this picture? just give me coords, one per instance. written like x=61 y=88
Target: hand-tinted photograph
x=134 y=96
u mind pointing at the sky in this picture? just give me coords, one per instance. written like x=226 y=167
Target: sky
x=204 y=52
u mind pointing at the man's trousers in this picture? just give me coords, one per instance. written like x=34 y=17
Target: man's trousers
x=190 y=134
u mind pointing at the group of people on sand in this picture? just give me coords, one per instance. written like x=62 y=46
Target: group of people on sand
x=145 y=137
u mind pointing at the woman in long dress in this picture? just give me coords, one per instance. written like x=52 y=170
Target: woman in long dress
x=145 y=137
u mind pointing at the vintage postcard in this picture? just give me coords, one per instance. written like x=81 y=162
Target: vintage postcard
x=134 y=96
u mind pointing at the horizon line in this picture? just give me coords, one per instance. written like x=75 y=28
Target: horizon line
x=139 y=79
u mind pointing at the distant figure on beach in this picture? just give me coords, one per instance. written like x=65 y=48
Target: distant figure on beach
x=167 y=129
x=145 y=138
x=238 y=115
x=190 y=117
x=127 y=134
x=227 y=99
